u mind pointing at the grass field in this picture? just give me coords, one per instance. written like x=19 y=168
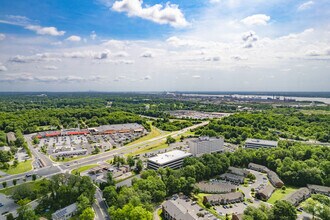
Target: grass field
x=68 y=159
x=278 y=194
x=21 y=168
x=155 y=132
x=159 y=145
x=34 y=185
x=83 y=168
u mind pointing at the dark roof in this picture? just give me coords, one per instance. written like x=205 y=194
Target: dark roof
x=298 y=195
x=319 y=188
x=227 y=196
x=266 y=190
x=215 y=187
x=274 y=177
x=232 y=176
x=181 y=210
x=259 y=167
x=238 y=171
x=66 y=210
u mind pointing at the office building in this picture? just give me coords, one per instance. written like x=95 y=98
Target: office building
x=205 y=145
x=257 y=143
x=172 y=159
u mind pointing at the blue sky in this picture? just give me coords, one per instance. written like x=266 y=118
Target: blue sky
x=127 y=45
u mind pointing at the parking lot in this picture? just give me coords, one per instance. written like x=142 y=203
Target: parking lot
x=238 y=208
x=60 y=146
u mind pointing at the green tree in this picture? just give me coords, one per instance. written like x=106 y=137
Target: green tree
x=254 y=213
x=169 y=140
x=14 y=182
x=130 y=161
x=26 y=213
x=110 y=194
x=10 y=217
x=139 y=166
x=87 y=214
x=82 y=203
x=283 y=210
x=34 y=177
x=4 y=184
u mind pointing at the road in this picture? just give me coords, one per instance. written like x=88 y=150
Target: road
x=100 y=207
x=52 y=168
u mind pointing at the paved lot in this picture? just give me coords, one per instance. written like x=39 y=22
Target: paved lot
x=240 y=207
x=8 y=205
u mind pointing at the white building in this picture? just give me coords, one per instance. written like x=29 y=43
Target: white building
x=257 y=143
x=65 y=213
x=172 y=159
x=205 y=145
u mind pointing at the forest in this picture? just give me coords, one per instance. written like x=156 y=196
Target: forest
x=270 y=125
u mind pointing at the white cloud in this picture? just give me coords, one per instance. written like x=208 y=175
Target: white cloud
x=45 y=30
x=102 y=55
x=2 y=68
x=2 y=36
x=74 y=38
x=93 y=35
x=196 y=76
x=50 y=67
x=34 y=58
x=29 y=77
x=305 y=5
x=257 y=19
x=121 y=54
x=147 y=54
x=147 y=77
x=168 y=14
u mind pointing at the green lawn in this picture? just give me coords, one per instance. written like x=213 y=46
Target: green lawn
x=34 y=185
x=200 y=197
x=155 y=132
x=279 y=194
x=22 y=167
x=68 y=159
x=83 y=168
x=149 y=148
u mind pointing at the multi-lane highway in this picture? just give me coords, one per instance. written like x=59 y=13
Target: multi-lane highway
x=44 y=167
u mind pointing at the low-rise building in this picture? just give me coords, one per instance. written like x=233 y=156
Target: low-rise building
x=172 y=159
x=215 y=187
x=272 y=176
x=65 y=213
x=274 y=179
x=298 y=196
x=181 y=209
x=258 y=143
x=257 y=167
x=232 y=177
x=223 y=199
x=205 y=145
x=265 y=192
x=238 y=171
x=325 y=190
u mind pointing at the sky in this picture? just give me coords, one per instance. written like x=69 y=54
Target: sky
x=154 y=45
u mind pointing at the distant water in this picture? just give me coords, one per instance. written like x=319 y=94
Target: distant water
x=308 y=99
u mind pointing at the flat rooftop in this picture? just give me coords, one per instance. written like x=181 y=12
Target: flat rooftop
x=169 y=157
x=205 y=139
x=261 y=142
